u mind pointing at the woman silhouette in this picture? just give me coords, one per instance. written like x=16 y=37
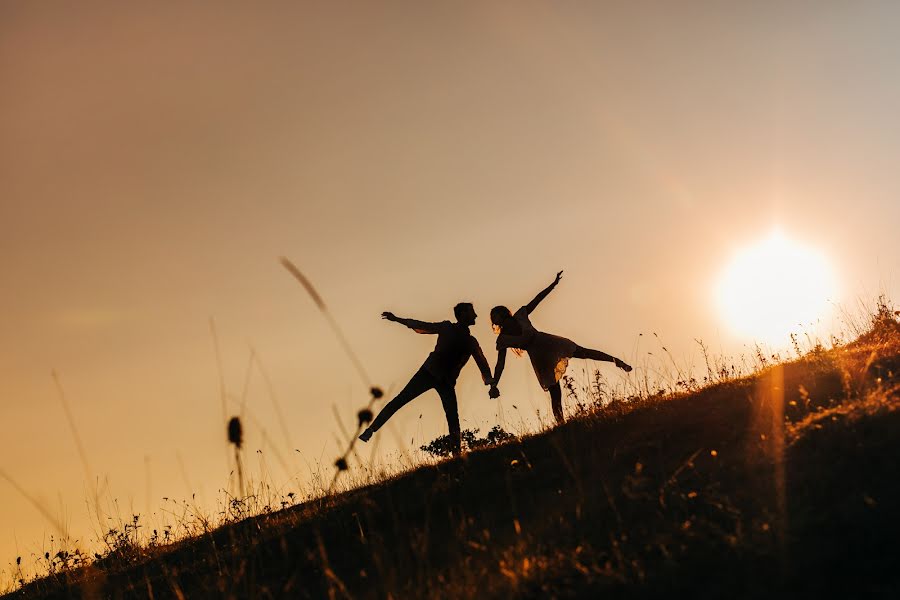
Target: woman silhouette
x=549 y=354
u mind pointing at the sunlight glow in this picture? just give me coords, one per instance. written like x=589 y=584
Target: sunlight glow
x=774 y=288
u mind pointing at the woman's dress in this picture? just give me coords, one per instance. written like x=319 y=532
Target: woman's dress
x=549 y=353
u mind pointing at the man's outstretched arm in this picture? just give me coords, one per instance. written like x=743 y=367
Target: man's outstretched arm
x=543 y=294
x=417 y=326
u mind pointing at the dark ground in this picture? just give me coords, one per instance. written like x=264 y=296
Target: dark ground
x=747 y=488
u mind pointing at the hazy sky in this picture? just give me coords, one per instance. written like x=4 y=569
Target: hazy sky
x=155 y=160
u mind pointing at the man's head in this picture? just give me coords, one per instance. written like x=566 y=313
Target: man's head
x=465 y=313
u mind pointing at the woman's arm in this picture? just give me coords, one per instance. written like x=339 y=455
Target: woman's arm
x=512 y=341
x=543 y=294
x=501 y=362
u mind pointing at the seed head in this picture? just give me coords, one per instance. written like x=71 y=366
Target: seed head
x=376 y=392
x=364 y=416
x=235 y=432
x=341 y=464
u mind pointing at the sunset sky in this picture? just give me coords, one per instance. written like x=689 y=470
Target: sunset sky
x=155 y=161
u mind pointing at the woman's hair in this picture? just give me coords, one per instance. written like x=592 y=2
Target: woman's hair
x=504 y=321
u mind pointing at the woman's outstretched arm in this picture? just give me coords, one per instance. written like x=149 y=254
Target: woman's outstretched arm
x=417 y=326
x=543 y=294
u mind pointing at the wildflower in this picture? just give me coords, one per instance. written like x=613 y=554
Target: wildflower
x=341 y=464
x=376 y=392
x=18 y=561
x=364 y=416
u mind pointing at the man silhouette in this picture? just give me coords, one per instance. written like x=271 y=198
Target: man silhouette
x=440 y=370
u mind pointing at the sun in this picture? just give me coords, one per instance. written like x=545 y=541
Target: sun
x=774 y=287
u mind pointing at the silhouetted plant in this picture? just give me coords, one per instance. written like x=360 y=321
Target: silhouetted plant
x=235 y=432
x=236 y=438
x=364 y=416
x=884 y=322
x=122 y=544
x=442 y=446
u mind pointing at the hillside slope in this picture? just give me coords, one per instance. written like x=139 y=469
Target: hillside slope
x=784 y=481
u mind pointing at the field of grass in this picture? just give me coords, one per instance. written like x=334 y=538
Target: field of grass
x=784 y=481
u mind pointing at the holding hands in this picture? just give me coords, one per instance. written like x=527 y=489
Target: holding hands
x=494 y=392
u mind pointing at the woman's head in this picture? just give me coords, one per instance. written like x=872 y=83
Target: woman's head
x=499 y=314
x=503 y=321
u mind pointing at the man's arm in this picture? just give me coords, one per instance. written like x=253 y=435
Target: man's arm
x=481 y=361
x=417 y=326
x=543 y=294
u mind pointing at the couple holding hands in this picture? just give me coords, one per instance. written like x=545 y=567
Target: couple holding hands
x=549 y=356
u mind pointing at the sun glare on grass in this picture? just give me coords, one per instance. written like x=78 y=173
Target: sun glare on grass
x=774 y=287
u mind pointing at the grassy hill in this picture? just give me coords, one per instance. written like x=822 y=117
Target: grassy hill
x=784 y=481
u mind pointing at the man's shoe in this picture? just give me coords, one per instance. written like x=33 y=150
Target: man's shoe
x=366 y=435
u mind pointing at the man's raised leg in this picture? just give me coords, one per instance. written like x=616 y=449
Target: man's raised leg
x=420 y=383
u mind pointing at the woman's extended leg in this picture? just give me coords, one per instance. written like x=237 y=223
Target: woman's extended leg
x=556 y=403
x=420 y=383
x=597 y=355
x=592 y=354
